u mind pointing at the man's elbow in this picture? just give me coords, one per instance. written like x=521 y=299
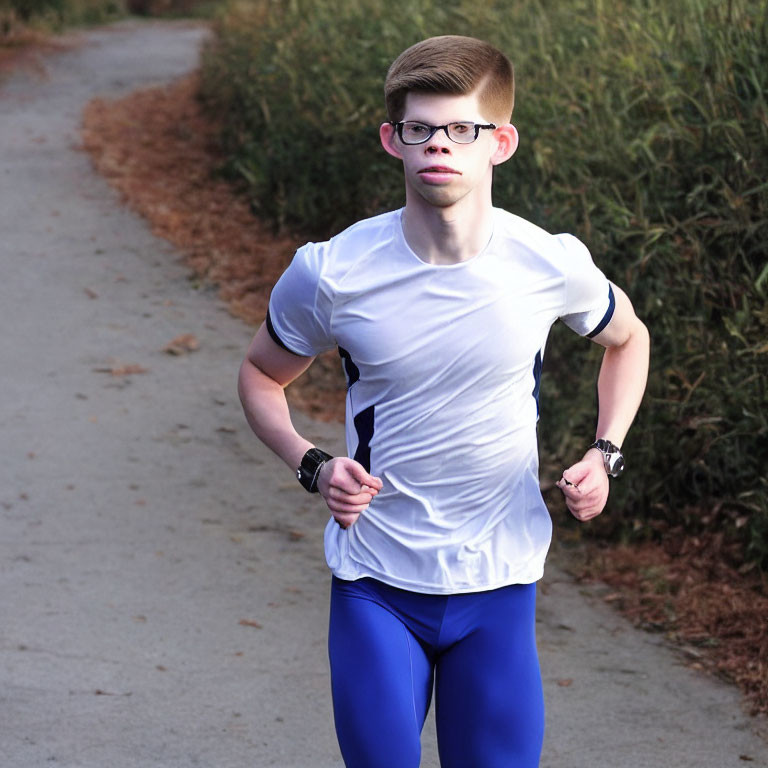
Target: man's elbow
x=632 y=334
x=640 y=334
x=247 y=380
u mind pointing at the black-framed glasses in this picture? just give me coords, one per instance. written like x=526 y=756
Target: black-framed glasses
x=414 y=132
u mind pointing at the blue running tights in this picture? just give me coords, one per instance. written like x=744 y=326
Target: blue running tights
x=388 y=646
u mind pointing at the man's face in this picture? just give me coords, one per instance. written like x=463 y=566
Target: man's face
x=440 y=171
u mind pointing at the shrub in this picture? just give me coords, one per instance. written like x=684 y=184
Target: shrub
x=299 y=87
x=660 y=166
x=172 y=7
x=55 y=13
x=643 y=131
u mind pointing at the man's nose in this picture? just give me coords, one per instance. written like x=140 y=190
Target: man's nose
x=439 y=143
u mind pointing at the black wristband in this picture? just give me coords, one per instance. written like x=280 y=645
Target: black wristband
x=309 y=469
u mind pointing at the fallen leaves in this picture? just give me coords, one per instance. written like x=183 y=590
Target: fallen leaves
x=173 y=178
x=250 y=623
x=181 y=345
x=118 y=369
x=716 y=615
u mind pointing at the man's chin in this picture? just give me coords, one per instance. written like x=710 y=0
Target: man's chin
x=440 y=196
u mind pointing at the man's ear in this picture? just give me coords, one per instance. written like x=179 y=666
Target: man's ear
x=387 y=134
x=506 y=143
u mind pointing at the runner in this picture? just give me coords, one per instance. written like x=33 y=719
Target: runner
x=438 y=531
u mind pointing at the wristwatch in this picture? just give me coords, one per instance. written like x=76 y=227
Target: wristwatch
x=309 y=469
x=613 y=459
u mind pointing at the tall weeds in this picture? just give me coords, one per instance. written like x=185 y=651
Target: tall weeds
x=644 y=130
x=53 y=14
x=18 y=18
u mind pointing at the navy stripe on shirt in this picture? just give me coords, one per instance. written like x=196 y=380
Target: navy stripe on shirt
x=351 y=370
x=276 y=338
x=364 y=428
x=607 y=316
x=537 y=380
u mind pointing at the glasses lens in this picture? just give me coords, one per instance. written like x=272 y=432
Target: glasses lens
x=415 y=133
x=462 y=133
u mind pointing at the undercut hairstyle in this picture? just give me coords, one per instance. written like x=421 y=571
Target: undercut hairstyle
x=453 y=65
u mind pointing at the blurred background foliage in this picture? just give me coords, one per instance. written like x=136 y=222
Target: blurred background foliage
x=17 y=17
x=644 y=131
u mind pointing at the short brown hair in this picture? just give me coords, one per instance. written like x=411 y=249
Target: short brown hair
x=452 y=64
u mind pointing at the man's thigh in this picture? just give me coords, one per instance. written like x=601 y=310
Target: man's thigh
x=381 y=681
x=489 y=700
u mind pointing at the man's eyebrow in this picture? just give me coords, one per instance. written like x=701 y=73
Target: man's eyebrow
x=447 y=122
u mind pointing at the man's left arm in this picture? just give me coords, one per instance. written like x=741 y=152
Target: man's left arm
x=620 y=388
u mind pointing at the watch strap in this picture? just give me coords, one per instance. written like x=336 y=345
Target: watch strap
x=309 y=469
x=613 y=458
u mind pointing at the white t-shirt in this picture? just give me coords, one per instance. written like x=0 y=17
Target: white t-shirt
x=443 y=365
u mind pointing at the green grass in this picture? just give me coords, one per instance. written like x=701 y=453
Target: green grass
x=16 y=16
x=54 y=15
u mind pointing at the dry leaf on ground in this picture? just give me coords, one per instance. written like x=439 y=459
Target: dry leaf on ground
x=186 y=342
x=250 y=623
x=129 y=369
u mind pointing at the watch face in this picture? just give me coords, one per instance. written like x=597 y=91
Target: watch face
x=617 y=464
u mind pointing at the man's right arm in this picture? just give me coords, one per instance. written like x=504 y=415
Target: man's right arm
x=267 y=369
x=264 y=374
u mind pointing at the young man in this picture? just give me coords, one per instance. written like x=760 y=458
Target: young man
x=439 y=532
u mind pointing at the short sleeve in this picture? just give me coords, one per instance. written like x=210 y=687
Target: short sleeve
x=589 y=299
x=299 y=315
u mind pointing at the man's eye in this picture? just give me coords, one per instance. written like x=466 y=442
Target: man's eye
x=461 y=127
x=417 y=128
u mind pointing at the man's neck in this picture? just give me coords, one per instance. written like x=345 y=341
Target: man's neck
x=446 y=235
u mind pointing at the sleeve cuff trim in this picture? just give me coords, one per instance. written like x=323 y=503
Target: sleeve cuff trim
x=607 y=316
x=276 y=338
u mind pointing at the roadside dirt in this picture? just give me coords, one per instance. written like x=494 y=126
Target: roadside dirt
x=23 y=48
x=158 y=148
x=716 y=614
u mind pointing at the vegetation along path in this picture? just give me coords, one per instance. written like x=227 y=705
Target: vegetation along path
x=162 y=582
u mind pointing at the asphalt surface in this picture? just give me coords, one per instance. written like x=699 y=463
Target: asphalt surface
x=163 y=592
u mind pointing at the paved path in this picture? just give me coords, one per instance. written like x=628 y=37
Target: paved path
x=162 y=586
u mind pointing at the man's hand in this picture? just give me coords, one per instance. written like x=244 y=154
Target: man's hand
x=585 y=486
x=347 y=489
